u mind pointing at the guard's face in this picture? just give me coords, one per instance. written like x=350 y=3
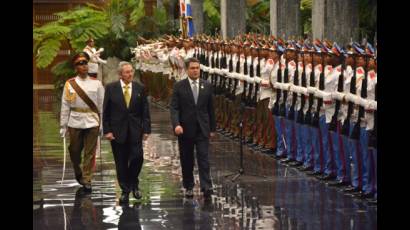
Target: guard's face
x=360 y=61
x=193 y=70
x=127 y=73
x=91 y=43
x=307 y=57
x=81 y=66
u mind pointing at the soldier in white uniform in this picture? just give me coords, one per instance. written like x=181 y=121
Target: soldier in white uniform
x=94 y=57
x=80 y=120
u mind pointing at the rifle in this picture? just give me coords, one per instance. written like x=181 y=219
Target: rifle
x=316 y=117
x=300 y=118
x=346 y=123
x=333 y=122
x=282 y=108
x=245 y=83
x=363 y=93
x=237 y=70
x=213 y=75
x=251 y=74
x=308 y=116
x=275 y=108
x=291 y=114
x=373 y=133
x=257 y=88
x=230 y=68
x=217 y=77
x=223 y=78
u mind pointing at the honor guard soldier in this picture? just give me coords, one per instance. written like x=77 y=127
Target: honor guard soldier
x=81 y=107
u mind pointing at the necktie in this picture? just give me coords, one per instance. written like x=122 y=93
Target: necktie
x=195 y=91
x=127 y=96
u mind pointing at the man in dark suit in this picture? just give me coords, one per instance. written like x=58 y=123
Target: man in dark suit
x=193 y=120
x=126 y=122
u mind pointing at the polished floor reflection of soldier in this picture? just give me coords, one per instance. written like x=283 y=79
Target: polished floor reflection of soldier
x=84 y=214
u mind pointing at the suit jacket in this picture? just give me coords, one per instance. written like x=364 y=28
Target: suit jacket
x=184 y=112
x=123 y=121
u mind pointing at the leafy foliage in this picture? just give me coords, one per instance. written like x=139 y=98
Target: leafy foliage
x=306 y=15
x=212 y=17
x=257 y=17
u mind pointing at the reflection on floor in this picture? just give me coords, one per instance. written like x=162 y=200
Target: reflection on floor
x=268 y=196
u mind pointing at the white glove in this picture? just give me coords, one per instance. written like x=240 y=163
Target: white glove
x=63 y=132
x=100 y=50
x=311 y=89
x=357 y=100
x=319 y=94
x=373 y=105
x=103 y=61
x=327 y=96
x=293 y=88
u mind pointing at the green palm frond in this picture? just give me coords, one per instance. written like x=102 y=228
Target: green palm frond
x=137 y=13
x=47 y=51
x=117 y=25
x=210 y=9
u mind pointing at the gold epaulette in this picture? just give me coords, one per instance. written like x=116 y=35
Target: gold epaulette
x=70 y=97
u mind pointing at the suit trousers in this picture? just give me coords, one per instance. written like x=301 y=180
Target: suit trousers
x=128 y=159
x=186 y=148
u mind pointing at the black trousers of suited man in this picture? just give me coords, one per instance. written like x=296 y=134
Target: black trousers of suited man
x=187 y=145
x=128 y=159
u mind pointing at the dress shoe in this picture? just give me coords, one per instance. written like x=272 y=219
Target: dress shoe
x=137 y=194
x=295 y=163
x=351 y=189
x=338 y=183
x=372 y=201
x=314 y=173
x=308 y=168
x=286 y=160
x=124 y=199
x=189 y=193
x=279 y=157
x=367 y=195
x=327 y=177
x=268 y=152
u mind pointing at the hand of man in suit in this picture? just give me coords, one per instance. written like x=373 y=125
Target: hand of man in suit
x=178 y=130
x=109 y=136
x=211 y=135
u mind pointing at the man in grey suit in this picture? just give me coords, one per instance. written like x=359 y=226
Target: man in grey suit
x=193 y=121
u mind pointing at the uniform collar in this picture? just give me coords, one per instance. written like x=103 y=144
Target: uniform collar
x=83 y=79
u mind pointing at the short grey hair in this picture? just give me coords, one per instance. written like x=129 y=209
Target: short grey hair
x=122 y=64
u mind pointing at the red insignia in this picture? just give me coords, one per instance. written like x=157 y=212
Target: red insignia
x=360 y=71
x=270 y=61
x=372 y=75
x=339 y=69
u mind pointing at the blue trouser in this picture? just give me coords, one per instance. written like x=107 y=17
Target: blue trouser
x=290 y=135
x=317 y=149
x=373 y=166
x=364 y=141
x=341 y=155
x=300 y=150
x=326 y=144
x=307 y=145
x=357 y=160
x=280 y=145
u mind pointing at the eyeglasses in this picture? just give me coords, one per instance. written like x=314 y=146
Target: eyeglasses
x=83 y=62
